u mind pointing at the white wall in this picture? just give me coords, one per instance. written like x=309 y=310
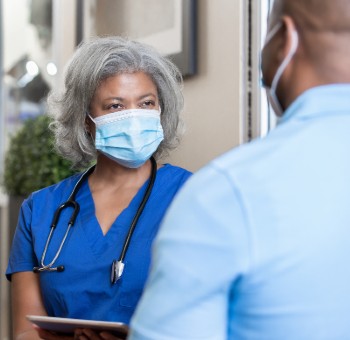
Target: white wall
x=213 y=97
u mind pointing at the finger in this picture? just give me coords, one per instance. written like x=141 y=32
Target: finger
x=90 y=334
x=109 y=336
x=78 y=333
x=47 y=335
x=43 y=334
x=82 y=337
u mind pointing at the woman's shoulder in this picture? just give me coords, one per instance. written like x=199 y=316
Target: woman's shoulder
x=168 y=169
x=169 y=181
x=59 y=188
x=172 y=174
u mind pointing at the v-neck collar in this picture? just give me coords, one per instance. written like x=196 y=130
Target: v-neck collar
x=91 y=228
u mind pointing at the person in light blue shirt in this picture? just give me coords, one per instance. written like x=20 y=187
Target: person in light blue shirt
x=257 y=243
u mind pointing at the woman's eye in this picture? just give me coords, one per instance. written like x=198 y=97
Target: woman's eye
x=115 y=107
x=148 y=103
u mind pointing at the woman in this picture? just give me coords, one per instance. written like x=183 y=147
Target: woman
x=120 y=106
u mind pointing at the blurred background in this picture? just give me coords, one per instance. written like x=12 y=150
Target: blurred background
x=216 y=45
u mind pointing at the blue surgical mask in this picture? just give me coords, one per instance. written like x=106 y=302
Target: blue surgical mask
x=129 y=137
x=271 y=91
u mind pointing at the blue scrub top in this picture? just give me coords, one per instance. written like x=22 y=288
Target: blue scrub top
x=84 y=290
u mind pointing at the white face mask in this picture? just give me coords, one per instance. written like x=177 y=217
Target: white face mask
x=271 y=92
x=129 y=137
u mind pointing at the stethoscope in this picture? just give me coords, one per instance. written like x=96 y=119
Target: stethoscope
x=117 y=265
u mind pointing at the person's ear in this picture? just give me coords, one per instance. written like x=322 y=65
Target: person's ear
x=290 y=35
x=88 y=126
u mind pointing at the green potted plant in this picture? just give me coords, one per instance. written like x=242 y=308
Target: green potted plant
x=31 y=163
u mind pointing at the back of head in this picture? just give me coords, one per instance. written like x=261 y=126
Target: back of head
x=307 y=46
x=324 y=35
x=317 y=15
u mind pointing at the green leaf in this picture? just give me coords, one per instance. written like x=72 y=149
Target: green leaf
x=31 y=163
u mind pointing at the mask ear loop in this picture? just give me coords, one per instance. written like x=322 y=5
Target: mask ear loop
x=272 y=33
x=87 y=131
x=286 y=61
x=275 y=103
x=268 y=38
x=92 y=119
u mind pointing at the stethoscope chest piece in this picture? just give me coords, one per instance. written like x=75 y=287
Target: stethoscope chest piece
x=117 y=271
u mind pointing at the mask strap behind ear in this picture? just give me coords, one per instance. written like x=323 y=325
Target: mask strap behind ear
x=92 y=119
x=272 y=33
x=286 y=61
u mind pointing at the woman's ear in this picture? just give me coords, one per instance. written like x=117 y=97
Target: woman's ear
x=88 y=126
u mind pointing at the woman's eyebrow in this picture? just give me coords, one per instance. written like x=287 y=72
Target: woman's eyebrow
x=148 y=95
x=115 y=98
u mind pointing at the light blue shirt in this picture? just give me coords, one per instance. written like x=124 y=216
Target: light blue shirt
x=257 y=244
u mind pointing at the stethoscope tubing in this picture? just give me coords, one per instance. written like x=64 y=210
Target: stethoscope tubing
x=139 y=211
x=75 y=205
x=117 y=266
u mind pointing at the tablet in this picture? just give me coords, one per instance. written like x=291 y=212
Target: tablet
x=67 y=326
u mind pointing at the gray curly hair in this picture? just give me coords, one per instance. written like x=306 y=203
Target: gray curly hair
x=95 y=61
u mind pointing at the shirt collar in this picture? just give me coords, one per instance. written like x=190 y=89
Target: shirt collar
x=320 y=100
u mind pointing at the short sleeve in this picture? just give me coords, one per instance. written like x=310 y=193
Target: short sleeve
x=22 y=257
x=201 y=249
